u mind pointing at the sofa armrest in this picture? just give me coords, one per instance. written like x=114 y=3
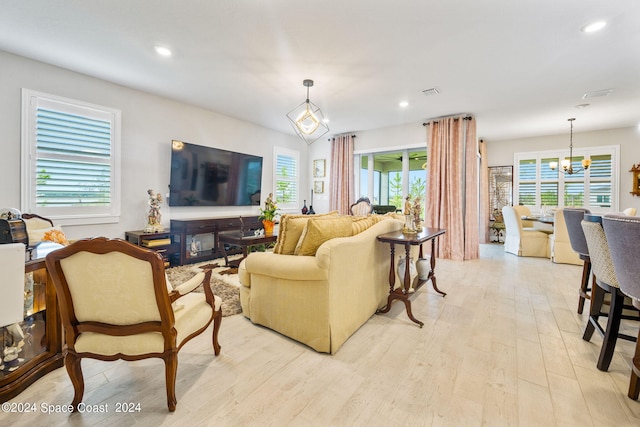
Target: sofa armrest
x=291 y=267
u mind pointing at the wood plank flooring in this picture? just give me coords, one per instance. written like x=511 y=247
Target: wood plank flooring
x=503 y=348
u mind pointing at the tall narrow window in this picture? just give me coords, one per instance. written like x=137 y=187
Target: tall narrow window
x=286 y=178
x=70 y=159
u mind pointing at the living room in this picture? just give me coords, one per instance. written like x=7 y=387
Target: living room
x=151 y=120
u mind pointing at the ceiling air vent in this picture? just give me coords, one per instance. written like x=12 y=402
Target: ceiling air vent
x=432 y=91
x=597 y=93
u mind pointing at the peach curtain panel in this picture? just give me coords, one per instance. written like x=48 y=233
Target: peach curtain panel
x=341 y=194
x=483 y=231
x=452 y=190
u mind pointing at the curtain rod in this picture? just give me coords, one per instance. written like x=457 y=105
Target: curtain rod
x=446 y=117
x=352 y=136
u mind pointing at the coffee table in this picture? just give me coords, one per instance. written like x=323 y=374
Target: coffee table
x=238 y=239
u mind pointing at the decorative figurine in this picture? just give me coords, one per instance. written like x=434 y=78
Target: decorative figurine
x=417 y=210
x=154 y=218
x=409 y=223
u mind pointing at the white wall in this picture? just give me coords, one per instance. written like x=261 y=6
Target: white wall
x=149 y=123
x=500 y=153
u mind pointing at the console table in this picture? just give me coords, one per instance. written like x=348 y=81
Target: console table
x=199 y=240
x=42 y=350
x=407 y=240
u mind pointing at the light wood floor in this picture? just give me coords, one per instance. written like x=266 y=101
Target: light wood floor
x=503 y=348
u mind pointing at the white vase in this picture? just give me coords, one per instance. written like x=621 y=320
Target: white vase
x=423 y=265
x=401 y=270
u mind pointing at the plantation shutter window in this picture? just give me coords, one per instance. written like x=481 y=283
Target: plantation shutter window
x=286 y=182
x=70 y=154
x=538 y=186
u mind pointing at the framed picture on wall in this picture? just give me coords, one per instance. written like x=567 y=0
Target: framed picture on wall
x=319 y=168
x=500 y=189
x=318 y=187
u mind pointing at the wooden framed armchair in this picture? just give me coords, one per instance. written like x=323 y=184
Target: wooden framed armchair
x=115 y=304
x=362 y=207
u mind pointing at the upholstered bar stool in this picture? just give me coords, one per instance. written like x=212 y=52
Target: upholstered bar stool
x=573 y=218
x=623 y=236
x=606 y=281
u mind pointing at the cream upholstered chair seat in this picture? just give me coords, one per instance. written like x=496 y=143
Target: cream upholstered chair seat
x=115 y=303
x=560 y=244
x=523 y=241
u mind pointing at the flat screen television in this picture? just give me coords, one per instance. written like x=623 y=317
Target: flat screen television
x=207 y=176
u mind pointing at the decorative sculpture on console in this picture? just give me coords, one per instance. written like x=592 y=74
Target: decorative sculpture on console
x=154 y=218
x=409 y=222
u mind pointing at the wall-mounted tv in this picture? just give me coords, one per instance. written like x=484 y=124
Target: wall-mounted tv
x=207 y=176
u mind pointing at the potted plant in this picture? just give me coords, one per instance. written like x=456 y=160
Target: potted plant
x=268 y=214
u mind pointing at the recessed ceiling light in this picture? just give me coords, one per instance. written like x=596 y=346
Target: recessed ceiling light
x=403 y=104
x=582 y=106
x=163 y=51
x=597 y=93
x=594 y=26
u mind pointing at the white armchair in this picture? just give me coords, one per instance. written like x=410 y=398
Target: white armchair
x=523 y=241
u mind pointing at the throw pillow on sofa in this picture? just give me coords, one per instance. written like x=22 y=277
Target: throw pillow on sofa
x=290 y=230
x=319 y=230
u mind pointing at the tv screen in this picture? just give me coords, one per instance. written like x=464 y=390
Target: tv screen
x=206 y=176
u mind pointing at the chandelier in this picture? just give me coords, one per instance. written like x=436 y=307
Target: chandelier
x=567 y=164
x=307 y=120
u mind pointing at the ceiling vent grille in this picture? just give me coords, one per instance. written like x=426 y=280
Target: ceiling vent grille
x=597 y=94
x=429 y=92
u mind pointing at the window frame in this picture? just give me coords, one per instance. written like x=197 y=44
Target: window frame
x=74 y=215
x=563 y=180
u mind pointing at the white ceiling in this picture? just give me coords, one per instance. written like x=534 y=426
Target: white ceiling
x=520 y=66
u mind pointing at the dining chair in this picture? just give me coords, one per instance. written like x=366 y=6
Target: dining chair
x=115 y=304
x=623 y=236
x=362 y=207
x=523 y=241
x=606 y=282
x=561 y=250
x=573 y=220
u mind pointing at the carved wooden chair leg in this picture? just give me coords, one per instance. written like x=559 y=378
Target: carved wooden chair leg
x=217 y=320
x=72 y=363
x=171 y=367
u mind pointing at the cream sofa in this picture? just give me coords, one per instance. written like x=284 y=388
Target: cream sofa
x=322 y=299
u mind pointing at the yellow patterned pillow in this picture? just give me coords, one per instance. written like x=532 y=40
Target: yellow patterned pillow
x=319 y=230
x=290 y=230
x=361 y=223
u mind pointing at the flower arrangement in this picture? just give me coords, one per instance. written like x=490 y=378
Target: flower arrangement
x=270 y=209
x=56 y=236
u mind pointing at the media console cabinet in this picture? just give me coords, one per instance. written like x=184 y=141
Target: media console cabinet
x=198 y=238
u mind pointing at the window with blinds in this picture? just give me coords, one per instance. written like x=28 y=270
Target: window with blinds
x=286 y=178
x=540 y=186
x=70 y=159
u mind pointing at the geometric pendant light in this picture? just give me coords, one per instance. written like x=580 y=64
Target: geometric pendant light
x=307 y=119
